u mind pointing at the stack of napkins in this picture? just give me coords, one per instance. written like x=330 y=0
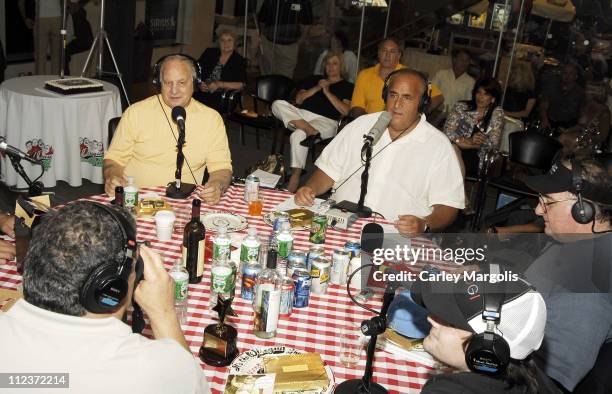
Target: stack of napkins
x=297 y=372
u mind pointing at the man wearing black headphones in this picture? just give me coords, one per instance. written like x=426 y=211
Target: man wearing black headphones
x=415 y=180
x=144 y=145
x=78 y=283
x=574 y=273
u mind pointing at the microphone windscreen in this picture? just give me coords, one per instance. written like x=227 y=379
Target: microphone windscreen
x=372 y=237
x=177 y=112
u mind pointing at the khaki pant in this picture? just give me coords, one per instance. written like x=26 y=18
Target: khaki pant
x=47 y=39
x=278 y=59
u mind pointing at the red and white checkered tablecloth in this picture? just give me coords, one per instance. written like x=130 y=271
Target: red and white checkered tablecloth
x=311 y=329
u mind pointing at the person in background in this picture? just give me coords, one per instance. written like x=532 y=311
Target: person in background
x=367 y=96
x=322 y=100
x=560 y=106
x=222 y=69
x=7 y=226
x=474 y=127
x=520 y=95
x=339 y=44
x=58 y=328
x=82 y=32
x=45 y=18
x=455 y=83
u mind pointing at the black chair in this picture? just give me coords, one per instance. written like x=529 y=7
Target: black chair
x=315 y=147
x=268 y=88
x=112 y=126
x=533 y=150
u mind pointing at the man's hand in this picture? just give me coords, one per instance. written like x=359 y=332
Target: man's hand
x=409 y=225
x=155 y=292
x=7 y=225
x=111 y=182
x=210 y=193
x=7 y=251
x=305 y=196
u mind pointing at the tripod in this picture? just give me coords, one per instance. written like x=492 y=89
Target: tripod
x=99 y=41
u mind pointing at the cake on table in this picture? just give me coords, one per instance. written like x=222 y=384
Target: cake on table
x=74 y=85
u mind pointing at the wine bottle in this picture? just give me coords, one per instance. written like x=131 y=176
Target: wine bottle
x=193 y=244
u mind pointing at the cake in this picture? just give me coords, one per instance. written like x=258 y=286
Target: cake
x=74 y=85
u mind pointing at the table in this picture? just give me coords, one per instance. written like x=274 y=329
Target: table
x=69 y=133
x=311 y=329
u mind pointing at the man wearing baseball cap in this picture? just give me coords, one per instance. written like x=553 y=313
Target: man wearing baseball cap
x=487 y=331
x=573 y=273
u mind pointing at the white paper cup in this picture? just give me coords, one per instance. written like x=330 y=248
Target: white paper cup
x=164 y=224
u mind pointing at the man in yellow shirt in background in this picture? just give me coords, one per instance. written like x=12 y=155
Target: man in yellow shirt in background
x=367 y=96
x=144 y=145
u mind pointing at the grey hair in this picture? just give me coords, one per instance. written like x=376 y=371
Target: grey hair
x=179 y=57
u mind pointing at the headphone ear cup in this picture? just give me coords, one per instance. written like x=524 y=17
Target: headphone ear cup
x=583 y=212
x=104 y=290
x=487 y=356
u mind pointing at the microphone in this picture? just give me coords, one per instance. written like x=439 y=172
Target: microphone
x=377 y=130
x=178 y=116
x=12 y=151
x=372 y=237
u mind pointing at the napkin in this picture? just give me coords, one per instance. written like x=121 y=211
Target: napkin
x=266 y=179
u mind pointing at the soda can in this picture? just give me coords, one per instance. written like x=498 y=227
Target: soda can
x=319 y=274
x=295 y=260
x=354 y=248
x=287 y=293
x=339 y=268
x=314 y=252
x=278 y=223
x=249 y=276
x=301 y=281
x=251 y=189
x=317 y=229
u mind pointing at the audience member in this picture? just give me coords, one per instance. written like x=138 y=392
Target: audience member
x=70 y=320
x=144 y=144
x=322 y=101
x=455 y=83
x=222 y=69
x=520 y=96
x=7 y=226
x=560 y=105
x=339 y=44
x=284 y=26
x=415 y=180
x=575 y=203
x=46 y=21
x=367 y=97
x=591 y=133
x=475 y=126
x=83 y=36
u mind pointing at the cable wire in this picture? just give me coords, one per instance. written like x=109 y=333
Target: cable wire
x=348 y=289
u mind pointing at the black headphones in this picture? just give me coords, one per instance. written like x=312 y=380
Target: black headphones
x=583 y=212
x=425 y=98
x=488 y=353
x=107 y=285
x=157 y=69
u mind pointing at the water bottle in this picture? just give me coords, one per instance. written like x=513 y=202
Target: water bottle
x=130 y=194
x=221 y=244
x=249 y=249
x=181 y=287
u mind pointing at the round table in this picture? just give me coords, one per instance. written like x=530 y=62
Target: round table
x=67 y=132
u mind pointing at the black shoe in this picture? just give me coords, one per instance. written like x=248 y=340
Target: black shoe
x=311 y=140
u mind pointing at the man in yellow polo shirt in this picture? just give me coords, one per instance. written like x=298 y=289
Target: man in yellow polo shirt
x=144 y=145
x=367 y=96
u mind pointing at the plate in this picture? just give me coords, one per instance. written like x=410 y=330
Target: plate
x=300 y=219
x=212 y=221
x=251 y=362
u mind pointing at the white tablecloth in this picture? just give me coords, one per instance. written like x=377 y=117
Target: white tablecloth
x=69 y=133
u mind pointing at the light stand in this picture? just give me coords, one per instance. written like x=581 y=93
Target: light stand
x=63 y=33
x=178 y=189
x=359 y=209
x=100 y=39
x=373 y=327
x=35 y=188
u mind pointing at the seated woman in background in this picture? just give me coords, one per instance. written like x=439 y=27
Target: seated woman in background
x=339 y=44
x=520 y=96
x=322 y=100
x=222 y=69
x=475 y=126
x=591 y=133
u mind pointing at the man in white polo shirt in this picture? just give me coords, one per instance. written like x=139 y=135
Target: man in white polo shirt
x=78 y=283
x=415 y=180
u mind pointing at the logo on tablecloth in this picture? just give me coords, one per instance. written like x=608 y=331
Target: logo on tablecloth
x=37 y=149
x=92 y=151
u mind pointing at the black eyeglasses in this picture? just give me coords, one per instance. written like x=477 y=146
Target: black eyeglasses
x=545 y=204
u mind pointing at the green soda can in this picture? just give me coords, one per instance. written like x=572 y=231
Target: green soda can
x=317 y=230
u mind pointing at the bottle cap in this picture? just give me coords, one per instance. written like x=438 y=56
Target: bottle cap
x=252 y=231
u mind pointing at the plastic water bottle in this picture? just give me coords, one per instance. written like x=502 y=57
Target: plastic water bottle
x=130 y=194
x=181 y=287
x=285 y=244
x=221 y=244
x=249 y=249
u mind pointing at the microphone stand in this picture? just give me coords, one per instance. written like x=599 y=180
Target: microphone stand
x=178 y=189
x=359 y=209
x=375 y=326
x=34 y=188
